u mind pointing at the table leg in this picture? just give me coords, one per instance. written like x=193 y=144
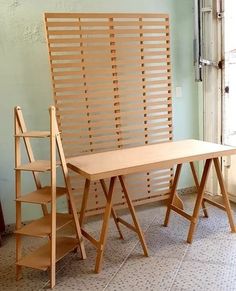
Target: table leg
x=113 y=212
x=178 y=201
x=224 y=194
x=103 y=235
x=197 y=186
x=198 y=202
x=100 y=244
x=172 y=193
x=134 y=217
x=84 y=202
x=70 y=199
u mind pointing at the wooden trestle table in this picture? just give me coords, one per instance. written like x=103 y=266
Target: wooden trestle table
x=115 y=164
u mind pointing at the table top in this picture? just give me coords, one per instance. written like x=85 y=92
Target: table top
x=146 y=158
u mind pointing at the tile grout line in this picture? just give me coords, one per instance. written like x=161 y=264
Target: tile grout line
x=126 y=258
x=177 y=271
x=48 y=282
x=180 y=264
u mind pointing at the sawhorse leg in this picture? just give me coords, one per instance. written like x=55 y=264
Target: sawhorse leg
x=100 y=244
x=200 y=197
x=173 y=194
x=197 y=186
x=224 y=194
x=113 y=212
x=104 y=231
x=85 y=200
x=136 y=227
x=199 y=200
x=193 y=218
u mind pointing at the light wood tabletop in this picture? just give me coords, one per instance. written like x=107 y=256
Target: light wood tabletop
x=118 y=163
x=143 y=158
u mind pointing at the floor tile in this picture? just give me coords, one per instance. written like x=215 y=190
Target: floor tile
x=215 y=225
x=116 y=252
x=199 y=276
x=207 y=264
x=215 y=251
x=145 y=274
x=161 y=243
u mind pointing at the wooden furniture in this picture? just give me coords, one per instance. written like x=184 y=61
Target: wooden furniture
x=57 y=247
x=116 y=164
x=111 y=77
x=2 y=223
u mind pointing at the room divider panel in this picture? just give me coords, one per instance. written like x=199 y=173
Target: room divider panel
x=111 y=76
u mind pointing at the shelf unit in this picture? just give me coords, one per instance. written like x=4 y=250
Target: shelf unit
x=47 y=226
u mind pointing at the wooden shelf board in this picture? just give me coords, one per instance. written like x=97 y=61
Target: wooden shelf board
x=42 y=227
x=40 y=258
x=36 y=166
x=35 y=134
x=41 y=196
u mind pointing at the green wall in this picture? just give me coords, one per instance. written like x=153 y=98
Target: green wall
x=25 y=79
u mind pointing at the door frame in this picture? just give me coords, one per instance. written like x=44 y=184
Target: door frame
x=212 y=97
x=226 y=161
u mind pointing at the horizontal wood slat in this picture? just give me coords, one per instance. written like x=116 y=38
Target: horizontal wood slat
x=111 y=77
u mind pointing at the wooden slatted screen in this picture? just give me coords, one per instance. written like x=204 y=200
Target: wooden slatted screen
x=111 y=77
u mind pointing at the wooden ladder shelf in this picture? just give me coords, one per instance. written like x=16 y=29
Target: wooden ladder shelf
x=57 y=247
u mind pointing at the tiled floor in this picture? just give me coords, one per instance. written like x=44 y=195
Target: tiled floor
x=208 y=264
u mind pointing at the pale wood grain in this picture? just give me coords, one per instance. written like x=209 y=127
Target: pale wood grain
x=42 y=227
x=40 y=259
x=127 y=161
x=47 y=226
x=111 y=73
